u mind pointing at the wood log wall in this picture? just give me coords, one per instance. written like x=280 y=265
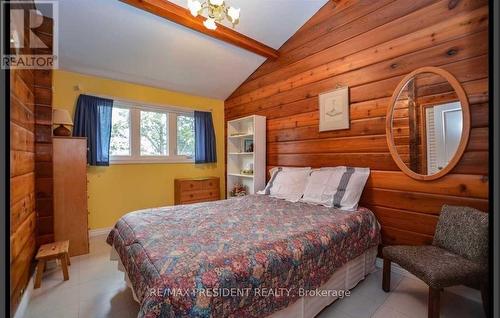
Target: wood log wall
x=31 y=165
x=22 y=179
x=43 y=141
x=370 y=46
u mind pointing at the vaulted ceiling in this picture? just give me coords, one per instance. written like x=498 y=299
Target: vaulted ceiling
x=114 y=40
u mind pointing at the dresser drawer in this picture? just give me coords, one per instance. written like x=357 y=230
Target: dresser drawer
x=191 y=185
x=202 y=195
x=200 y=201
x=210 y=184
x=196 y=190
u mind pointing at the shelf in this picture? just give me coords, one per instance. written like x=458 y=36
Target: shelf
x=241 y=175
x=241 y=136
x=248 y=130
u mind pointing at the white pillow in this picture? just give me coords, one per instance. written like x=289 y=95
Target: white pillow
x=287 y=183
x=338 y=187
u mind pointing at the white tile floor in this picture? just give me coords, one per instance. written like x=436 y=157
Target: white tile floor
x=97 y=289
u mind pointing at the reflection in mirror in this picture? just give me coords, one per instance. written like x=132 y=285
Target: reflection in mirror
x=427 y=123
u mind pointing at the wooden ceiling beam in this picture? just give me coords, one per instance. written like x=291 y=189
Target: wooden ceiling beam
x=182 y=16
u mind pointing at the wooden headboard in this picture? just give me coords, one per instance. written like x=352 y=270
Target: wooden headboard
x=370 y=46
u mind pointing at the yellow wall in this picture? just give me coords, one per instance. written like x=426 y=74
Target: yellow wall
x=118 y=189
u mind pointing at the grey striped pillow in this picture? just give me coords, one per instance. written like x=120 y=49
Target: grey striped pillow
x=338 y=187
x=287 y=183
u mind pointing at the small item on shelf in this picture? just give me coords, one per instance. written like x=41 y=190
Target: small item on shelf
x=239 y=190
x=248 y=172
x=236 y=134
x=248 y=145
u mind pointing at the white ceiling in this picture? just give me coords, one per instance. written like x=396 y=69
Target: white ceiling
x=114 y=40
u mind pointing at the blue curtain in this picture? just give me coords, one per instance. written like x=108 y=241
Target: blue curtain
x=205 y=149
x=93 y=120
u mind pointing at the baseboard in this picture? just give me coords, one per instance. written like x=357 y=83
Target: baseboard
x=463 y=291
x=25 y=299
x=99 y=232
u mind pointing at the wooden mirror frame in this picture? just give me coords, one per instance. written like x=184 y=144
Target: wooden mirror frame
x=464 y=101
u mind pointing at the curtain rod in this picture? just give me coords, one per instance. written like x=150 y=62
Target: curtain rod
x=142 y=103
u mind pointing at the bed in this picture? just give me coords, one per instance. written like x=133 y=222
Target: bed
x=253 y=256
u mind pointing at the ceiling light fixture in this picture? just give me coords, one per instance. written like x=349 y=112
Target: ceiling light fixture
x=217 y=10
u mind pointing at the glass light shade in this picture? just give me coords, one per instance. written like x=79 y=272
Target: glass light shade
x=194 y=6
x=210 y=24
x=61 y=117
x=233 y=13
x=216 y=2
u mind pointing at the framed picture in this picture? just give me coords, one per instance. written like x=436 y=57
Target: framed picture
x=248 y=145
x=334 y=109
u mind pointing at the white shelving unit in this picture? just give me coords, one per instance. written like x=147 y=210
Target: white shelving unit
x=251 y=129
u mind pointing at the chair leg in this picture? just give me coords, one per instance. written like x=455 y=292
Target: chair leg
x=39 y=272
x=386 y=279
x=433 y=306
x=67 y=259
x=485 y=298
x=64 y=265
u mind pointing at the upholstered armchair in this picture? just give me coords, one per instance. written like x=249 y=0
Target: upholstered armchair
x=458 y=255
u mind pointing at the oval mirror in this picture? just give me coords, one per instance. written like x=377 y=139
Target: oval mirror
x=428 y=123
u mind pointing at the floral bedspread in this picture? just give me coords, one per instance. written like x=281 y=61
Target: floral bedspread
x=242 y=257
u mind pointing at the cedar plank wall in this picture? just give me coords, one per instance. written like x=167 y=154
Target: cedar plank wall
x=370 y=46
x=31 y=165
x=22 y=179
x=43 y=142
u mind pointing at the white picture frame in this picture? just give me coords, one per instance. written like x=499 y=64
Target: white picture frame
x=334 y=110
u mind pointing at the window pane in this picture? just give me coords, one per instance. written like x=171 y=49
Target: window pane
x=154 y=134
x=185 y=135
x=120 y=132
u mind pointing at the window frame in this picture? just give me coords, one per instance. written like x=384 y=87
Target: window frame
x=135 y=156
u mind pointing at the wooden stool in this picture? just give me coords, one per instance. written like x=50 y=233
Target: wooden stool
x=47 y=252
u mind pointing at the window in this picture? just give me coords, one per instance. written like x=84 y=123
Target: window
x=120 y=132
x=146 y=134
x=154 y=134
x=185 y=135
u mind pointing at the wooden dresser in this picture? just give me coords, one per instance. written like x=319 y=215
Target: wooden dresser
x=194 y=190
x=70 y=193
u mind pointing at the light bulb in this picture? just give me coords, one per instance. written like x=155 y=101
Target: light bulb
x=194 y=6
x=234 y=13
x=216 y=2
x=210 y=24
